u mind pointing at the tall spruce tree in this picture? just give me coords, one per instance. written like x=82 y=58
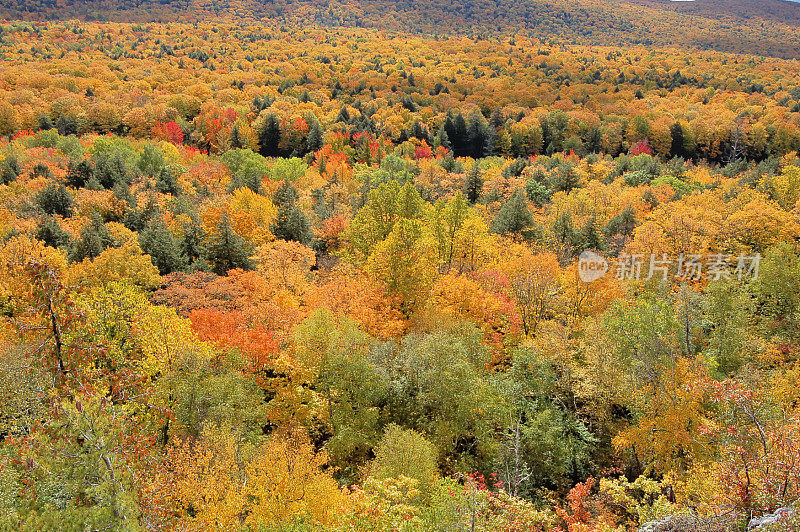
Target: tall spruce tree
x=94 y=239
x=443 y=140
x=167 y=183
x=55 y=200
x=227 y=250
x=460 y=136
x=591 y=239
x=270 y=137
x=285 y=195
x=112 y=169
x=193 y=242
x=49 y=232
x=514 y=217
x=292 y=224
x=9 y=170
x=79 y=173
x=314 y=140
x=474 y=183
x=158 y=242
x=236 y=138
x=565 y=234
x=481 y=137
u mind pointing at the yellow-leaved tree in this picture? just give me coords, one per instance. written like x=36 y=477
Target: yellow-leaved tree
x=223 y=482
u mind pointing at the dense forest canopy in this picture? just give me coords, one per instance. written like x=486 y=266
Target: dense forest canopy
x=399 y=266
x=761 y=27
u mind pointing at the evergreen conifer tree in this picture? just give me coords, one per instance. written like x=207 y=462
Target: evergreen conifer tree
x=158 y=242
x=590 y=236
x=94 y=239
x=474 y=183
x=228 y=250
x=193 y=242
x=79 y=173
x=270 y=137
x=514 y=216
x=49 y=232
x=314 y=140
x=292 y=224
x=166 y=183
x=55 y=200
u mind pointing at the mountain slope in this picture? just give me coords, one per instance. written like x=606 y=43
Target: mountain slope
x=762 y=27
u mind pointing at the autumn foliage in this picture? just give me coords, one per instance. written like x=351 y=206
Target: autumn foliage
x=259 y=274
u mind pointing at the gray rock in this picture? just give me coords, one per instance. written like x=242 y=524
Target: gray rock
x=655 y=526
x=669 y=524
x=692 y=523
x=759 y=523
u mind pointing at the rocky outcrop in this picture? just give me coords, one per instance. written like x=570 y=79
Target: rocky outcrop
x=777 y=518
x=783 y=519
x=692 y=523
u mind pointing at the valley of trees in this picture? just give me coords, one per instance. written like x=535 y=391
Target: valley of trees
x=257 y=275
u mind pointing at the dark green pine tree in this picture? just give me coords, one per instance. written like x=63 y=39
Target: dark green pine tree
x=497 y=119
x=45 y=123
x=193 y=245
x=285 y=195
x=270 y=137
x=247 y=179
x=94 y=239
x=618 y=229
x=594 y=142
x=9 y=170
x=514 y=217
x=49 y=232
x=443 y=140
x=136 y=219
x=79 y=173
x=228 y=250
x=123 y=193
x=55 y=200
x=420 y=132
x=314 y=140
x=591 y=239
x=481 y=137
x=158 y=242
x=166 y=182
x=622 y=224
x=343 y=116
x=565 y=234
x=41 y=171
x=323 y=209
x=565 y=179
x=111 y=169
x=460 y=136
x=474 y=184
x=236 y=138
x=67 y=125
x=457 y=133
x=292 y=224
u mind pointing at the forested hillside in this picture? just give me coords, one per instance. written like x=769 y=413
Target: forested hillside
x=759 y=27
x=399 y=267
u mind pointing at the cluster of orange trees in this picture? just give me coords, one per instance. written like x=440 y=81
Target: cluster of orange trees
x=329 y=280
